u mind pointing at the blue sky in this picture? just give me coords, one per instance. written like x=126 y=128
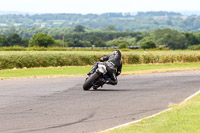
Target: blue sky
x=97 y=6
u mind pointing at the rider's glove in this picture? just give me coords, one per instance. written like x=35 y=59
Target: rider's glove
x=101 y=59
x=118 y=73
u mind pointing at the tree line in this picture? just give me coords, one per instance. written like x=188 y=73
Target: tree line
x=80 y=36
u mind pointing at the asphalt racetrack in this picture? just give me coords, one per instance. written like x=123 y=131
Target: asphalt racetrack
x=59 y=105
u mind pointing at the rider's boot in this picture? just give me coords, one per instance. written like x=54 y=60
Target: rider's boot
x=93 y=69
x=112 y=82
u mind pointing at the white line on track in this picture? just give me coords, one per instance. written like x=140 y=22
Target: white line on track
x=126 y=124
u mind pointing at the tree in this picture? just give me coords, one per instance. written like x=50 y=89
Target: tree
x=99 y=43
x=111 y=28
x=41 y=40
x=86 y=43
x=2 y=40
x=122 y=45
x=14 y=39
x=175 y=41
x=171 y=38
x=114 y=42
x=79 y=28
x=148 y=45
x=25 y=42
x=60 y=43
x=191 y=39
x=74 y=43
x=94 y=40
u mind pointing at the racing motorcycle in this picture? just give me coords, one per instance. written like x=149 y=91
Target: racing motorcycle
x=97 y=79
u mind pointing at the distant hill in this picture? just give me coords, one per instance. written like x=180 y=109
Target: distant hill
x=189 y=13
x=159 y=13
x=121 y=21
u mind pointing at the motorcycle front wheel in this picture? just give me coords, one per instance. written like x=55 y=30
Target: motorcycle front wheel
x=89 y=82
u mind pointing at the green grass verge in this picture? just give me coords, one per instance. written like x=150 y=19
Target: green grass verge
x=82 y=70
x=183 y=118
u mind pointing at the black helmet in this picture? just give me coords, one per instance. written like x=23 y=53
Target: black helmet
x=117 y=54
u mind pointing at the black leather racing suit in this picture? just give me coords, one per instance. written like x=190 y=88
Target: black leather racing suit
x=113 y=65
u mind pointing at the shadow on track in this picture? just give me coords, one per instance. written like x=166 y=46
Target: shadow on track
x=112 y=90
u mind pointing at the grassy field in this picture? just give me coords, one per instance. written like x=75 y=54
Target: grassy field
x=83 y=70
x=182 y=118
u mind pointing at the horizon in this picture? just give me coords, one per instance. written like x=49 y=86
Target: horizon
x=183 y=12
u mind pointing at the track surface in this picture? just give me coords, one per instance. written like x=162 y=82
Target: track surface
x=59 y=105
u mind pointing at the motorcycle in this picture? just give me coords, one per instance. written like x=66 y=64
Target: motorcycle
x=97 y=79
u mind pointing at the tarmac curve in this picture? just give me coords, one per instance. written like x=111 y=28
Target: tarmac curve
x=59 y=105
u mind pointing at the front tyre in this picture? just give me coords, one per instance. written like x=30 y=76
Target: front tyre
x=89 y=82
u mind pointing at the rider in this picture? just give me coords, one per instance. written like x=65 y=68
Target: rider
x=113 y=65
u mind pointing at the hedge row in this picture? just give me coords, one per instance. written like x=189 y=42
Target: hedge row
x=46 y=59
x=151 y=58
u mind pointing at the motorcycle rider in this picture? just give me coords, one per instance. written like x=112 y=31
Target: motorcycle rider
x=113 y=65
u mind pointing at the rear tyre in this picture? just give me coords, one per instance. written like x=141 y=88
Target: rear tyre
x=89 y=82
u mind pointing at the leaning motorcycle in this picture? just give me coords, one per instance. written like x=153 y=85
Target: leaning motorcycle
x=97 y=79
